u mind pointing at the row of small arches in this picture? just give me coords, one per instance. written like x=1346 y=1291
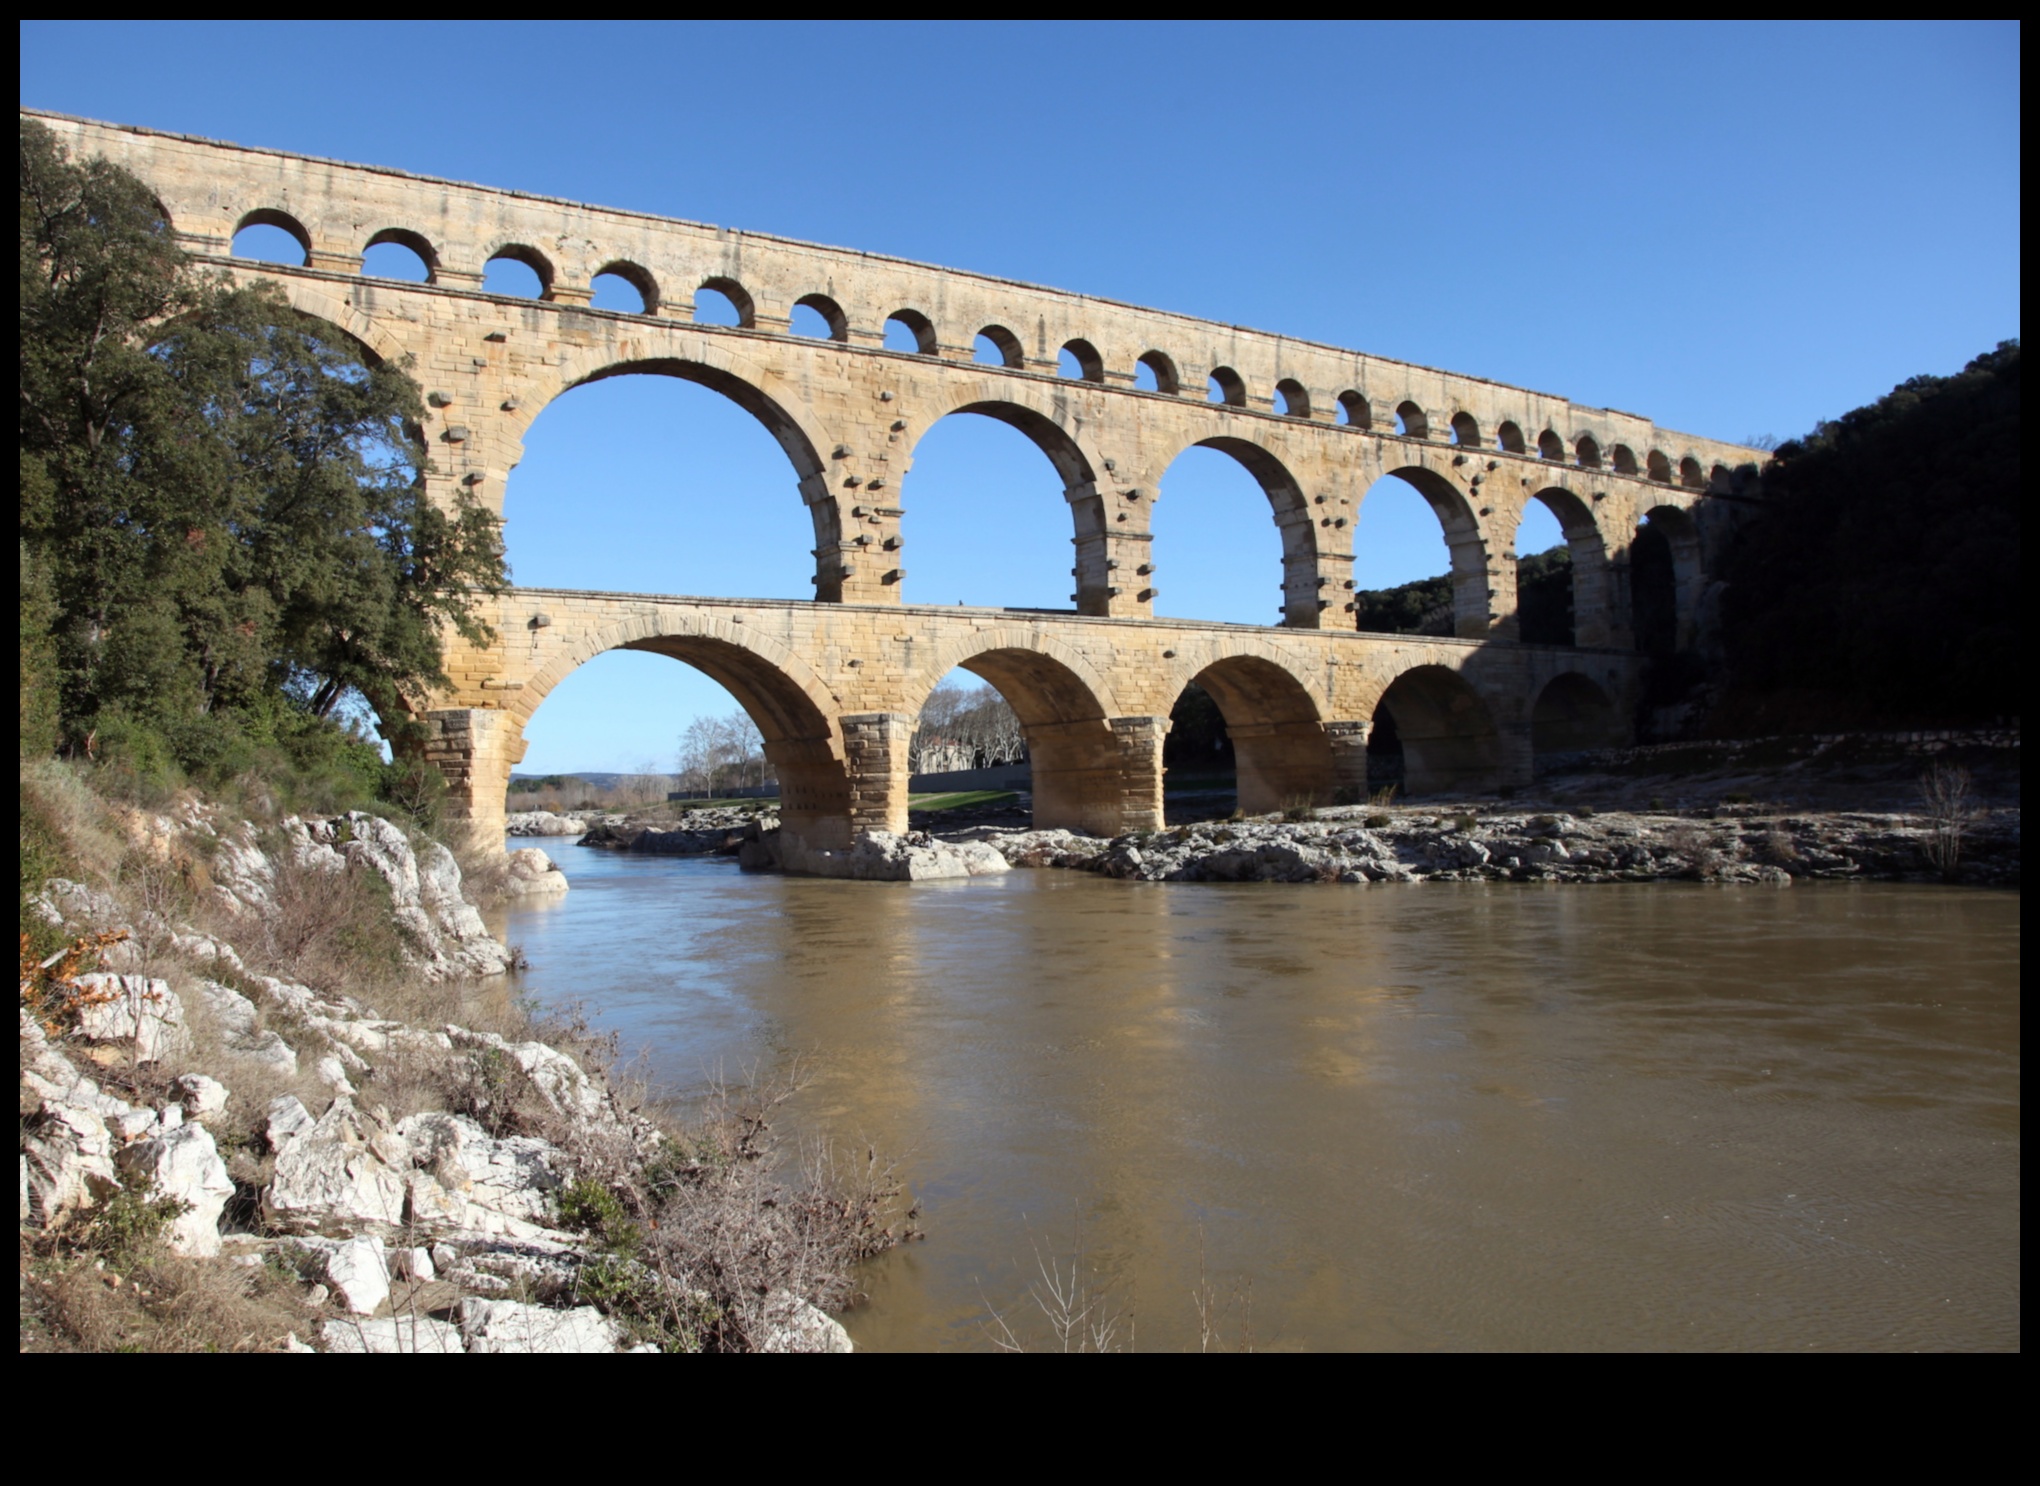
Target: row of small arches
x=518 y=269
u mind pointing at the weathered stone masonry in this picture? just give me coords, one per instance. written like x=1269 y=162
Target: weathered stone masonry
x=834 y=683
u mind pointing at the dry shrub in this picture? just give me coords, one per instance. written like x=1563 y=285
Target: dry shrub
x=484 y=871
x=329 y=930
x=1778 y=848
x=1081 y=1309
x=701 y=1233
x=1945 y=791
x=58 y=804
x=742 y=1218
x=1696 y=849
x=160 y=1303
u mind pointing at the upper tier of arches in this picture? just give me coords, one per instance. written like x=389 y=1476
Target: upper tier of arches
x=336 y=211
x=719 y=298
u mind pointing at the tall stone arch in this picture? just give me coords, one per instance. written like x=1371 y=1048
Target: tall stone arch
x=1053 y=421
x=715 y=363
x=1469 y=539
x=1305 y=577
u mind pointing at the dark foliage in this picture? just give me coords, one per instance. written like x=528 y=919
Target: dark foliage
x=225 y=534
x=1197 y=740
x=1543 y=597
x=1420 y=608
x=1881 y=586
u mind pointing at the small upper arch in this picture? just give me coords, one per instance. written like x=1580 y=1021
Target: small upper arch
x=732 y=293
x=1465 y=431
x=1509 y=438
x=1690 y=474
x=639 y=279
x=910 y=330
x=833 y=324
x=1354 y=411
x=1410 y=421
x=531 y=258
x=1161 y=372
x=1292 y=400
x=282 y=221
x=1659 y=465
x=995 y=345
x=1080 y=361
x=1225 y=386
x=1588 y=451
x=1550 y=446
x=412 y=242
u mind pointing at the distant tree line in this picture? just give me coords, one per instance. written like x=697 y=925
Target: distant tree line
x=965 y=727
x=1544 y=602
x=227 y=554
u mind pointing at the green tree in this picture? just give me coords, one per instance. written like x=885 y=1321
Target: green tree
x=222 y=500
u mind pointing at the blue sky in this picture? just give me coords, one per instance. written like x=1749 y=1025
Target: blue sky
x=1731 y=229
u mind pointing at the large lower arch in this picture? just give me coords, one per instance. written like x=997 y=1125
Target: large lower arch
x=1472 y=599
x=1593 y=598
x=1281 y=751
x=1572 y=714
x=1448 y=737
x=782 y=695
x=1063 y=706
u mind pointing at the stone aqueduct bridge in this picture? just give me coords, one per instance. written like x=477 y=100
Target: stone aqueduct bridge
x=835 y=683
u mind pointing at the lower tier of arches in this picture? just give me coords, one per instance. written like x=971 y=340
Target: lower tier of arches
x=836 y=696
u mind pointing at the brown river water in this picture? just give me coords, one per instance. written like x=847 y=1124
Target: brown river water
x=1441 y=1117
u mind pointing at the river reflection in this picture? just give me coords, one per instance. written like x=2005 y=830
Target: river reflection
x=1448 y=1116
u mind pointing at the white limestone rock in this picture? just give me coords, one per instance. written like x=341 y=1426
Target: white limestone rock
x=346 y=1171
x=533 y=874
x=67 y=1160
x=791 y=1324
x=207 y=950
x=543 y=823
x=391 y=1336
x=133 y=1008
x=181 y=1161
x=234 y=1012
x=201 y=1096
x=333 y=1074
x=509 y=1326
x=74 y=907
x=560 y=1081
x=358 y=1270
x=468 y=1180
x=288 y=1118
x=242 y=873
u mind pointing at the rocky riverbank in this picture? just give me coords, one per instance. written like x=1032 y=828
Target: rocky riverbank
x=218 y=1121
x=1362 y=844
x=1358 y=844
